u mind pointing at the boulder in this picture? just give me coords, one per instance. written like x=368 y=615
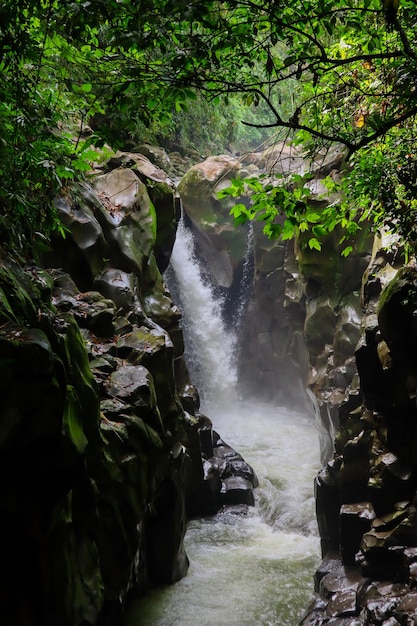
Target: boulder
x=220 y=244
x=355 y=520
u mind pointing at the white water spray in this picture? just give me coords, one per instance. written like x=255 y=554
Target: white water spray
x=210 y=350
x=256 y=569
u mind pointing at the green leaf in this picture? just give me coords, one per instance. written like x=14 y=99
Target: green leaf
x=314 y=244
x=319 y=231
x=72 y=426
x=288 y=230
x=238 y=209
x=81 y=165
x=313 y=217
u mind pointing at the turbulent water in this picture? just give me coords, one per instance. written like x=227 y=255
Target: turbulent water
x=255 y=569
x=209 y=348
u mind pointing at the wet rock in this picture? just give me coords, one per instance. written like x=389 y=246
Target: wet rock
x=156 y=155
x=118 y=286
x=342 y=604
x=382 y=600
x=165 y=530
x=113 y=407
x=90 y=309
x=355 y=520
x=139 y=343
x=204 y=499
x=347 y=332
x=383 y=563
x=371 y=371
x=316 y=615
x=162 y=310
x=127 y=218
x=206 y=433
x=375 y=450
x=390 y=521
x=85 y=247
x=354 y=472
x=391 y=482
x=407 y=606
x=237 y=490
x=225 y=468
x=345 y=621
x=152 y=172
x=132 y=383
x=334 y=576
x=242 y=469
x=188 y=395
x=220 y=244
x=122 y=325
x=320 y=324
x=280 y=158
x=327 y=509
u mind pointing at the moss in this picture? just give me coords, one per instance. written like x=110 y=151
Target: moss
x=79 y=375
x=72 y=427
x=19 y=297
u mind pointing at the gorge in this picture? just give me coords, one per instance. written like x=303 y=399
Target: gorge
x=208 y=303
x=249 y=565
x=108 y=450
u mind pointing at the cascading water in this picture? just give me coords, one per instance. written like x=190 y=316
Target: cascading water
x=254 y=569
x=209 y=348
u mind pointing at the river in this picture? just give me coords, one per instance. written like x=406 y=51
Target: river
x=253 y=569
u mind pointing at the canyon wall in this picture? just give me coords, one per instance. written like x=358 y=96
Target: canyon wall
x=104 y=453
x=342 y=329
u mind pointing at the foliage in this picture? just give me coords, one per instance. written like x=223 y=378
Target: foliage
x=322 y=72
x=382 y=181
x=210 y=128
x=287 y=211
x=356 y=68
x=200 y=126
x=63 y=65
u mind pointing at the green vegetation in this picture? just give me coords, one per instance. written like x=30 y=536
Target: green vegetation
x=320 y=73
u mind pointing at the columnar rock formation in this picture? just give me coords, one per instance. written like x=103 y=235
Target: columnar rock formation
x=366 y=495
x=320 y=321
x=104 y=453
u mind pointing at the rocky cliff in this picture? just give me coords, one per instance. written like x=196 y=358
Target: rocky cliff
x=344 y=329
x=104 y=451
x=366 y=494
x=297 y=311
x=104 y=454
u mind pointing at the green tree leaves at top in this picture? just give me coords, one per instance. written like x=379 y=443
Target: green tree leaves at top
x=327 y=72
x=355 y=68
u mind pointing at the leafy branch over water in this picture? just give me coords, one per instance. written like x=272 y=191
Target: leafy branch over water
x=323 y=72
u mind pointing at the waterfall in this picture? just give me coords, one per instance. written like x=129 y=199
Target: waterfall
x=210 y=347
x=254 y=569
x=325 y=428
x=245 y=286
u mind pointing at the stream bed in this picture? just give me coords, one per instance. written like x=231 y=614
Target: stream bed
x=254 y=569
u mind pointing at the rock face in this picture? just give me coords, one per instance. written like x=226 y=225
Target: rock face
x=297 y=312
x=105 y=454
x=366 y=495
x=103 y=451
x=221 y=247
x=331 y=324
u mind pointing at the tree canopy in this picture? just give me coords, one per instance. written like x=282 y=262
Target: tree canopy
x=327 y=73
